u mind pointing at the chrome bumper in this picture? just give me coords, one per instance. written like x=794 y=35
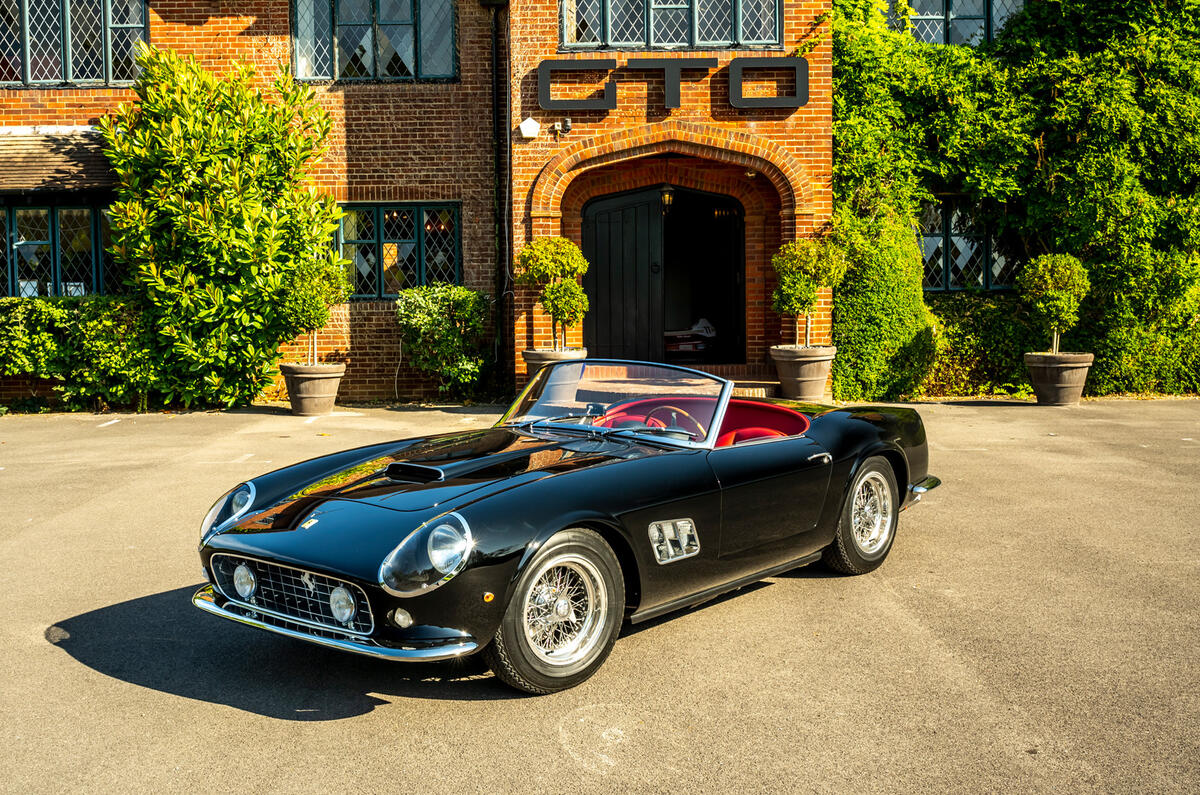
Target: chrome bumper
x=916 y=491
x=206 y=601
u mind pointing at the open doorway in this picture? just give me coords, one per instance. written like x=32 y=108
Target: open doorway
x=667 y=276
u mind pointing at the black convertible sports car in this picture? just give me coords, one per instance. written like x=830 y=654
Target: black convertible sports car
x=609 y=491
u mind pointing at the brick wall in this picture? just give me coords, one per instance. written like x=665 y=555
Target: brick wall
x=790 y=150
x=391 y=142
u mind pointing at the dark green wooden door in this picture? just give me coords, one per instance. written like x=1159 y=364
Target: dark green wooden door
x=622 y=239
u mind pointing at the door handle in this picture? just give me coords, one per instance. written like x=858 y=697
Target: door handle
x=823 y=458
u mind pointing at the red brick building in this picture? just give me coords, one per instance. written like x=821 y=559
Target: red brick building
x=676 y=161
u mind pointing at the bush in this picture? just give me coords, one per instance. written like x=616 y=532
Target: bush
x=225 y=248
x=549 y=262
x=1053 y=285
x=443 y=328
x=882 y=329
x=981 y=342
x=98 y=349
x=802 y=268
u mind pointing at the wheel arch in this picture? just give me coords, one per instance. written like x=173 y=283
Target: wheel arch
x=608 y=529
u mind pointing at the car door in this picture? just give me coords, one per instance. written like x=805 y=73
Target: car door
x=772 y=492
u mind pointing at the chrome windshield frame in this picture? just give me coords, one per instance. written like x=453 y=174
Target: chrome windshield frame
x=710 y=439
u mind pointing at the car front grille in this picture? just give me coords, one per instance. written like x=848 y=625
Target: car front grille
x=296 y=594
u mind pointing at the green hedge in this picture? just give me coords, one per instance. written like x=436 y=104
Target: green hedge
x=98 y=349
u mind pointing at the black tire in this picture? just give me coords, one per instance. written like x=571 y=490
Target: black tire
x=575 y=553
x=850 y=554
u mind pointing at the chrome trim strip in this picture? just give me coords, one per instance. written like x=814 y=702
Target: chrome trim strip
x=295 y=619
x=204 y=600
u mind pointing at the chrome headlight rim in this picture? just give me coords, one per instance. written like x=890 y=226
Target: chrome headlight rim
x=420 y=540
x=213 y=523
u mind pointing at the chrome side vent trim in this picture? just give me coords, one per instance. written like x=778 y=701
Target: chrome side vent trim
x=674 y=539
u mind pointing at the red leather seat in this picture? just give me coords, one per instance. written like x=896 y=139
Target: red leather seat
x=745 y=434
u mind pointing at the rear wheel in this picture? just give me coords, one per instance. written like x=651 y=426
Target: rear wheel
x=868 y=523
x=564 y=615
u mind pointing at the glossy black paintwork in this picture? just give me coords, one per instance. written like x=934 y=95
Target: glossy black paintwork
x=755 y=506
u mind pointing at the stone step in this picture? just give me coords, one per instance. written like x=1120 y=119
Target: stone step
x=756 y=389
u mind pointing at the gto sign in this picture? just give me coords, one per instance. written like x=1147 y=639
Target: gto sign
x=672 y=70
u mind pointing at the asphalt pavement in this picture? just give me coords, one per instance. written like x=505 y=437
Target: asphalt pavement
x=1035 y=629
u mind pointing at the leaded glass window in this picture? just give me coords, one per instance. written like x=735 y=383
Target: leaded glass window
x=373 y=39
x=70 y=41
x=958 y=252
x=52 y=251
x=957 y=21
x=393 y=247
x=650 y=24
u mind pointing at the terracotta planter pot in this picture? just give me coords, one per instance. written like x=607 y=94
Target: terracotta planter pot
x=803 y=372
x=312 y=388
x=537 y=358
x=1058 y=378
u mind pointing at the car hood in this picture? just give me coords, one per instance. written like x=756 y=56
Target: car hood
x=438 y=472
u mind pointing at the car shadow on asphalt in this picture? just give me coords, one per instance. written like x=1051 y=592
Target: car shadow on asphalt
x=163 y=643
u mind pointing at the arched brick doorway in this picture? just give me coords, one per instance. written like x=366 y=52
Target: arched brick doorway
x=667 y=276
x=692 y=280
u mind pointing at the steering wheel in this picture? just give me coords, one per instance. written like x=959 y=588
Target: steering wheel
x=675 y=415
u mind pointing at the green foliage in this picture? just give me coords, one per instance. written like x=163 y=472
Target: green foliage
x=443 y=328
x=225 y=248
x=548 y=263
x=981 y=343
x=1053 y=285
x=803 y=267
x=1077 y=131
x=98 y=349
x=883 y=331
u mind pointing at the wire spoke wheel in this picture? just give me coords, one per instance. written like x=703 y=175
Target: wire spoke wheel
x=565 y=610
x=871 y=514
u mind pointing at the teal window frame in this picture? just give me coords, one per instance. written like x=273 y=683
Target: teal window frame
x=694 y=42
x=10 y=277
x=107 y=27
x=380 y=239
x=418 y=75
x=981 y=238
x=947 y=17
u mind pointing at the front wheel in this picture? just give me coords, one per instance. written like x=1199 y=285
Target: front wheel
x=868 y=523
x=564 y=615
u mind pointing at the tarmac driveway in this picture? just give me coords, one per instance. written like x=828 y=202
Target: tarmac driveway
x=1036 y=628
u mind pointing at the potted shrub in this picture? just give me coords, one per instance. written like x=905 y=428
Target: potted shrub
x=1053 y=285
x=315 y=285
x=803 y=267
x=554 y=264
x=443 y=328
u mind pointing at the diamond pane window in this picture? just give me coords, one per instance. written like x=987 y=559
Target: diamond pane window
x=957 y=252
x=648 y=24
x=374 y=39
x=968 y=22
x=37 y=35
x=393 y=247
x=50 y=251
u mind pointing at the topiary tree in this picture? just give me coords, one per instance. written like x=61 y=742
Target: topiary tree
x=1054 y=285
x=443 y=328
x=224 y=246
x=555 y=264
x=803 y=267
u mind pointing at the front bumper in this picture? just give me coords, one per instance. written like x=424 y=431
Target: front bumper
x=206 y=600
x=917 y=490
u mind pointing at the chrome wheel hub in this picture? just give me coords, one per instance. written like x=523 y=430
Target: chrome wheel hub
x=565 y=611
x=871 y=514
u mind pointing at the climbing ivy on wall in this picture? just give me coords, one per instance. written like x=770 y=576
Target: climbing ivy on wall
x=1076 y=132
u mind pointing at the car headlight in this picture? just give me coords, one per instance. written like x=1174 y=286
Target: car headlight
x=430 y=556
x=228 y=509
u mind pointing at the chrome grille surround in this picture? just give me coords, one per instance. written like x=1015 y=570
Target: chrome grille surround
x=298 y=596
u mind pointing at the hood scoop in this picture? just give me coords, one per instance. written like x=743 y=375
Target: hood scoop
x=404 y=472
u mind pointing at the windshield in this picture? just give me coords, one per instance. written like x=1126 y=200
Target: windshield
x=622 y=397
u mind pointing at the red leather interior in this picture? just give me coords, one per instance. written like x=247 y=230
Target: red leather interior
x=745 y=434
x=744 y=419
